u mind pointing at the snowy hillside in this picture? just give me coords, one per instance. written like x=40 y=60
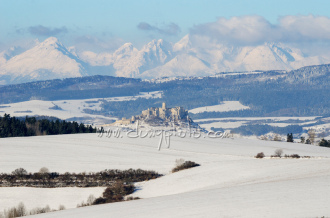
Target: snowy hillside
x=225 y=106
x=69 y=109
x=229 y=183
x=158 y=58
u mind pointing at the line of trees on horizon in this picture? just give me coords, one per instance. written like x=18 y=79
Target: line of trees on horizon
x=30 y=126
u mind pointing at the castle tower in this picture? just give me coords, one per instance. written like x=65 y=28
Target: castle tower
x=164 y=106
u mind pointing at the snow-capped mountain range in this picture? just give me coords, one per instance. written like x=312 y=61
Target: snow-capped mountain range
x=50 y=59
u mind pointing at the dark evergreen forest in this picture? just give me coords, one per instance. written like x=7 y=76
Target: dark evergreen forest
x=30 y=126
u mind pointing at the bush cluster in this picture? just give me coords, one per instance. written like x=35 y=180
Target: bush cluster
x=260 y=155
x=279 y=152
x=115 y=193
x=292 y=156
x=184 y=165
x=20 y=210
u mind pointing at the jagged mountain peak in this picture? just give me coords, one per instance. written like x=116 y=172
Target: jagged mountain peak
x=127 y=48
x=50 y=42
x=49 y=59
x=156 y=45
x=183 y=44
x=190 y=56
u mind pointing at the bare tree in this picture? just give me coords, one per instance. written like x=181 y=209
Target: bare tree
x=179 y=162
x=90 y=199
x=21 y=210
x=19 y=172
x=302 y=139
x=311 y=135
x=277 y=137
x=263 y=137
x=278 y=152
x=44 y=170
x=61 y=207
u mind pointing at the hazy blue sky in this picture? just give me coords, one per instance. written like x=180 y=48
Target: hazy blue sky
x=109 y=23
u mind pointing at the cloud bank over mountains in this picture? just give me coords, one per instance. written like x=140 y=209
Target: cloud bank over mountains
x=245 y=43
x=170 y=29
x=310 y=33
x=46 y=31
x=253 y=30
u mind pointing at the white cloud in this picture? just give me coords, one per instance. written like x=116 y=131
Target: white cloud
x=46 y=31
x=170 y=29
x=96 y=44
x=250 y=30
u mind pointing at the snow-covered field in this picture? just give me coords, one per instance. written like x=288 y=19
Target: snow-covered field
x=225 y=106
x=234 y=122
x=229 y=183
x=66 y=109
x=41 y=197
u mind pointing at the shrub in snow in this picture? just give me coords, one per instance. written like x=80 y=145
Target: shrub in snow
x=115 y=193
x=294 y=156
x=40 y=210
x=61 y=207
x=184 y=165
x=130 y=198
x=18 y=211
x=260 y=155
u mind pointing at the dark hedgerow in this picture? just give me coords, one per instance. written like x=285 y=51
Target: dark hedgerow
x=20 y=177
x=294 y=156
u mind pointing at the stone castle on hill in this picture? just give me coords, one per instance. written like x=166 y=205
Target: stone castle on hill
x=162 y=115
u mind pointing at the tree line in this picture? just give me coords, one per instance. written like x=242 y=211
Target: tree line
x=30 y=126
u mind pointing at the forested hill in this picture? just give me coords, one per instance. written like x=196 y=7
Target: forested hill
x=71 y=88
x=302 y=92
x=30 y=126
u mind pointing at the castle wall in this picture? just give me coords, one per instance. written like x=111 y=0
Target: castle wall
x=166 y=113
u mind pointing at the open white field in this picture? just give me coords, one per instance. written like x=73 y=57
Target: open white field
x=229 y=183
x=234 y=122
x=41 y=197
x=224 y=106
x=66 y=109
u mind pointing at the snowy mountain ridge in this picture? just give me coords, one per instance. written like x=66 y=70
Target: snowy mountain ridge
x=47 y=60
x=50 y=59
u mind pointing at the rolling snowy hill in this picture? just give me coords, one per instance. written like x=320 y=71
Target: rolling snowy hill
x=229 y=183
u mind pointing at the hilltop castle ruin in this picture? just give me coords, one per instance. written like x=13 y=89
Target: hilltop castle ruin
x=162 y=115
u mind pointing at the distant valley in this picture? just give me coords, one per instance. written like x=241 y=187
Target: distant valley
x=214 y=101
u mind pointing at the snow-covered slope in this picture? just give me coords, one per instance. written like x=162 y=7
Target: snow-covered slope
x=224 y=106
x=47 y=60
x=70 y=109
x=229 y=183
x=181 y=65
